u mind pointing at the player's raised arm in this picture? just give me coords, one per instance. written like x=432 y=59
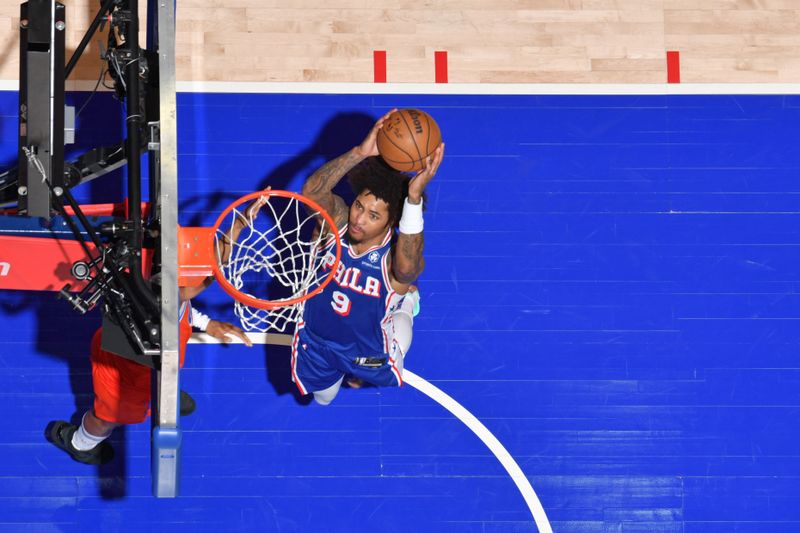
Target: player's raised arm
x=407 y=260
x=320 y=184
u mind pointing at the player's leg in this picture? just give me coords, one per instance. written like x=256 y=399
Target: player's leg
x=326 y=396
x=402 y=335
x=63 y=434
x=313 y=371
x=403 y=319
x=84 y=443
x=92 y=431
x=122 y=396
x=386 y=370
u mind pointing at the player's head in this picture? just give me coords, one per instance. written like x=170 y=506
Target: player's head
x=380 y=191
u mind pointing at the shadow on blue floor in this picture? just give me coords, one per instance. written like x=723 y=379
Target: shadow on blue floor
x=611 y=288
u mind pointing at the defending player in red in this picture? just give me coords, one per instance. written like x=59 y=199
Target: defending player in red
x=361 y=323
x=122 y=387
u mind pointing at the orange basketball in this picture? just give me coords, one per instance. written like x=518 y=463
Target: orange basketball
x=407 y=138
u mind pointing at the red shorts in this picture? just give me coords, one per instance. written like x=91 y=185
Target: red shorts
x=122 y=387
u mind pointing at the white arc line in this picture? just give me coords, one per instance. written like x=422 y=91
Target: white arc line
x=491 y=442
x=442 y=398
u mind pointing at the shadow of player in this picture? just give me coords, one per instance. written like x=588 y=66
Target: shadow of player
x=338 y=135
x=70 y=345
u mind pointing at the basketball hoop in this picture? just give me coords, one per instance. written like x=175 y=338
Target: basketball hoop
x=269 y=260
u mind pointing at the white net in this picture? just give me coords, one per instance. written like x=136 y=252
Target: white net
x=277 y=257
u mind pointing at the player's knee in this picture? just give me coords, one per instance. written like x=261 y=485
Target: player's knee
x=403 y=332
x=326 y=396
x=323 y=399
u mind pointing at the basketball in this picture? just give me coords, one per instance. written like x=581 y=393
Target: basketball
x=407 y=138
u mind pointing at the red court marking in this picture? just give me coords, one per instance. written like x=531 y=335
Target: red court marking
x=673 y=67
x=379 y=59
x=440 y=58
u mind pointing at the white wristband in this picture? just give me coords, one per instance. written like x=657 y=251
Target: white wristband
x=411 y=221
x=199 y=320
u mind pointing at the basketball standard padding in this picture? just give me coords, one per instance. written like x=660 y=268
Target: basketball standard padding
x=407 y=138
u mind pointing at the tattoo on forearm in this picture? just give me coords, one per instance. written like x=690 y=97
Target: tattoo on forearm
x=411 y=249
x=325 y=179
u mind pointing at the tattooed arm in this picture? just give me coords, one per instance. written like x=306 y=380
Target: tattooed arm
x=320 y=184
x=407 y=260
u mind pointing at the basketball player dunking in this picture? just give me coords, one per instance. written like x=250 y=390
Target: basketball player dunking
x=361 y=323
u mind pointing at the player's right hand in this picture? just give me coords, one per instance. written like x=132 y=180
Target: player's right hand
x=369 y=146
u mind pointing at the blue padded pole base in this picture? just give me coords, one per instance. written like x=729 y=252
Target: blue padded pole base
x=166 y=466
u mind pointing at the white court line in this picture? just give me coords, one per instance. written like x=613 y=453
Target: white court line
x=446 y=401
x=456 y=88
x=491 y=442
x=488 y=88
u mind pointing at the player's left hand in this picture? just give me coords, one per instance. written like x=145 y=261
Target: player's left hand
x=224 y=332
x=418 y=183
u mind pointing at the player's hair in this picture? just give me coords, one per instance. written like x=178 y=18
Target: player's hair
x=383 y=182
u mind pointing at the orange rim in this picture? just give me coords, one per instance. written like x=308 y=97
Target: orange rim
x=252 y=301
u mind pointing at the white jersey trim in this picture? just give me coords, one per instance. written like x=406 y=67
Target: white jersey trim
x=295 y=341
x=385 y=271
x=186 y=305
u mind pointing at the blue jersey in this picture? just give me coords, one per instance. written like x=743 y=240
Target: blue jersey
x=352 y=314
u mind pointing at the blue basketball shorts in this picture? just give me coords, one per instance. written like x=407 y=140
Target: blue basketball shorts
x=317 y=365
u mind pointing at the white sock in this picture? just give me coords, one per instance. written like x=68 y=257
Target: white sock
x=83 y=440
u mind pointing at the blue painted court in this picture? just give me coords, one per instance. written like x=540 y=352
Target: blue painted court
x=611 y=290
